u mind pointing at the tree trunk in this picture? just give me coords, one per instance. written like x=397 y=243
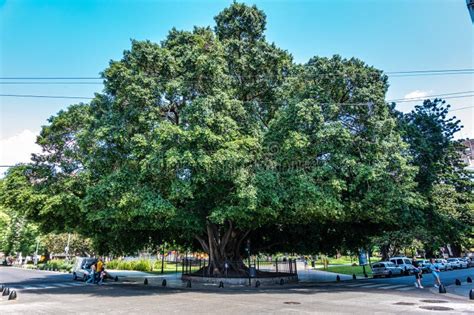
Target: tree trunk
x=384 y=250
x=223 y=247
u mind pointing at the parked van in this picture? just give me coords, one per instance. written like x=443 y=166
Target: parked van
x=404 y=263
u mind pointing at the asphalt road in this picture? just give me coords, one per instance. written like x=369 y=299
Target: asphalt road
x=54 y=293
x=17 y=276
x=447 y=278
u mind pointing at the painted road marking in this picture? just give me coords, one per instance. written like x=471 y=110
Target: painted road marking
x=375 y=285
x=393 y=286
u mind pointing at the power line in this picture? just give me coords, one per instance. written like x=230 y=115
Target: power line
x=389 y=73
x=402 y=100
x=46 y=83
x=461 y=108
x=434 y=95
x=50 y=78
x=429 y=96
x=427 y=74
x=46 y=96
x=426 y=71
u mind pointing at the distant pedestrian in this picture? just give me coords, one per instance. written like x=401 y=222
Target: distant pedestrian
x=102 y=276
x=100 y=264
x=92 y=274
x=418 y=271
x=435 y=272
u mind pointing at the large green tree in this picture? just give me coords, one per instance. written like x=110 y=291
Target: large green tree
x=215 y=137
x=17 y=233
x=442 y=178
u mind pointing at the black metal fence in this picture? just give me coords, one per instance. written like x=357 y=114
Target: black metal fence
x=251 y=268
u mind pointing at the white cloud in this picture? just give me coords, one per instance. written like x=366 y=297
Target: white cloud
x=18 y=148
x=417 y=94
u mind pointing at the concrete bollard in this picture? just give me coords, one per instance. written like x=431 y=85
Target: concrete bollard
x=221 y=284
x=469 y=279
x=12 y=295
x=471 y=294
x=257 y=283
x=442 y=289
x=354 y=276
x=338 y=278
x=163 y=283
x=6 y=291
x=457 y=282
x=145 y=282
x=188 y=284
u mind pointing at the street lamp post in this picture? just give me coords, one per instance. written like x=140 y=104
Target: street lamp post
x=162 y=259
x=248 y=254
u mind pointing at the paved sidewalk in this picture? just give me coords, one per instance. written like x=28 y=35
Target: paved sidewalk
x=460 y=290
x=308 y=275
x=315 y=275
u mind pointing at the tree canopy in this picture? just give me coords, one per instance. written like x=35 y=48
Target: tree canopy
x=215 y=136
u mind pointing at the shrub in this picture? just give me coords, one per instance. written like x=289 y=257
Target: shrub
x=142 y=265
x=113 y=264
x=138 y=265
x=57 y=264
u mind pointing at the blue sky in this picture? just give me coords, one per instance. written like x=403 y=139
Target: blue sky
x=78 y=38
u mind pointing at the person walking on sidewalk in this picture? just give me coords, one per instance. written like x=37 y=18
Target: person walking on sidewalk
x=435 y=272
x=418 y=273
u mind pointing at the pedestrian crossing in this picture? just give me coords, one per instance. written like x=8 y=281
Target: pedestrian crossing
x=352 y=285
x=44 y=286
x=377 y=286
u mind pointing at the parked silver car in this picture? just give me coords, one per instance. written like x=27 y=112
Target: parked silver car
x=385 y=269
x=443 y=264
x=424 y=264
x=82 y=268
x=457 y=263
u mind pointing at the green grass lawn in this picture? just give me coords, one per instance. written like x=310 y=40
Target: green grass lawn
x=345 y=260
x=349 y=270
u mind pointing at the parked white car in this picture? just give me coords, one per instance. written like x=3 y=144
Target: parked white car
x=385 y=269
x=404 y=263
x=457 y=263
x=424 y=265
x=82 y=268
x=443 y=264
x=469 y=261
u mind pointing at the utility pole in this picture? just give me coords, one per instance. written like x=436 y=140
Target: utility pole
x=162 y=258
x=248 y=253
